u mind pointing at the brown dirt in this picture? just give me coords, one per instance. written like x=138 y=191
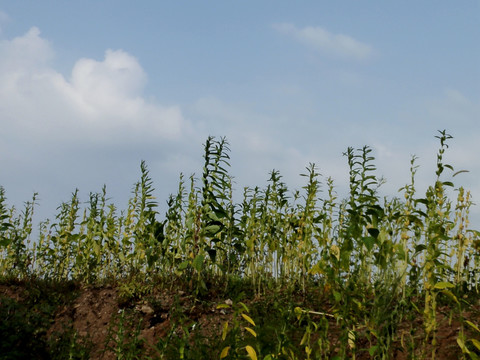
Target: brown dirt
x=92 y=311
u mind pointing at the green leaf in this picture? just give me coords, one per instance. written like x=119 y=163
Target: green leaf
x=419 y=248
x=462 y=346
x=243 y=306
x=422 y=201
x=304 y=339
x=4 y=241
x=198 y=262
x=476 y=343
x=251 y=331
x=212 y=230
x=213 y=254
x=459 y=172
x=443 y=285
x=473 y=326
x=473 y=356
x=251 y=352
x=225 y=331
x=224 y=352
x=308 y=351
x=298 y=312
x=183 y=265
x=6 y=225
x=372 y=350
x=315 y=270
x=400 y=251
x=373 y=232
x=450 y=295
x=369 y=241
x=248 y=318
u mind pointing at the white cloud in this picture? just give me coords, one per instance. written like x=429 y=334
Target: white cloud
x=338 y=45
x=91 y=127
x=24 y=54
x=101 y=102
x=102 y=84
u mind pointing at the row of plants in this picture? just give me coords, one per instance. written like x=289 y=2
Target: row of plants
x=376 y=257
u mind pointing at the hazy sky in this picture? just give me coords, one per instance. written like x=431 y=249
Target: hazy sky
x=88 y=89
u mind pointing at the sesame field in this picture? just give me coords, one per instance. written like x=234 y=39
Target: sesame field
x=281 y=274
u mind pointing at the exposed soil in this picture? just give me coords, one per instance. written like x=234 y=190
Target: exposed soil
x=95 y=313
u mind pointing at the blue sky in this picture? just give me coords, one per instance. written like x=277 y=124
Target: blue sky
x=90 y=88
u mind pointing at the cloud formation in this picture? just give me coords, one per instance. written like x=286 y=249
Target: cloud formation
x=318 y=38
x=101 y=99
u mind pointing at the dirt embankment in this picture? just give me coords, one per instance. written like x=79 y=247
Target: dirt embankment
x=105 y=322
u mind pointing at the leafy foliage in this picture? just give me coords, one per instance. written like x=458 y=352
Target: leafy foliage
x=375 y=256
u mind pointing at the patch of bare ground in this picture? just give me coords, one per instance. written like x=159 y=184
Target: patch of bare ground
x=94 y=314
x=90 y=315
